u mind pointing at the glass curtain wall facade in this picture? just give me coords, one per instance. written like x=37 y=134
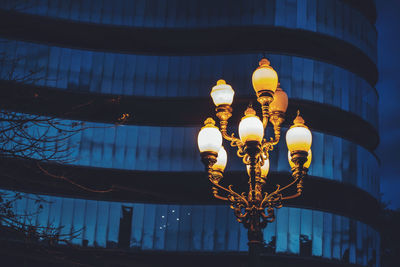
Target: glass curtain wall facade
x=197 y=228
x=330 y=17
x=155 y=76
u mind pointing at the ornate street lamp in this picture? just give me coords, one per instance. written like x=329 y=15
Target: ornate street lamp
x=256 y=208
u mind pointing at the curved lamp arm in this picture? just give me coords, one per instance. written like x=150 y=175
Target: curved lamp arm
x=231 y=193
x=224 y=112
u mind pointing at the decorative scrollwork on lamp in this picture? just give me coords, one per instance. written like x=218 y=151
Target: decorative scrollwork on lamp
x=256 y=208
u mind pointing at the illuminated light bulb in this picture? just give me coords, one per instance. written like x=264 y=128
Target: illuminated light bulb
x=265 y=168
x=222 y=93
x=264 y=77
x=221 y=160
x=209 y=138
x=298 y=137
x=251 y=127
x=280 y=102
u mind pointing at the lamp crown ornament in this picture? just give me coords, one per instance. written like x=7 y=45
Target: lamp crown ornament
x=209 y=122
x=256 y=208
x=222 y=94
x=264 y=63
x=298 y=121
x=219 y=82
x=250 y=111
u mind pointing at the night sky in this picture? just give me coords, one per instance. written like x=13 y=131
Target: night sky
x=388 y=26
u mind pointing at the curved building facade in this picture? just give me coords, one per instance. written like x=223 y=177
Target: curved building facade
x=157 y=61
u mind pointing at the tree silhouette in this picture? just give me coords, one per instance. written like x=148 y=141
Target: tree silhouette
x=390 y=236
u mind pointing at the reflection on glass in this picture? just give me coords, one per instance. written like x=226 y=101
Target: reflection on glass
x=100 y=72
x=205 y=228
x=330 y=17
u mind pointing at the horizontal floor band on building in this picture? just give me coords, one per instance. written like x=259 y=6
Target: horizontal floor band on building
x=183 y=76
x=329 y=17
x=189 y=41
x=17 y=253
x=174 y=111
x=174 y=149
x=139 y=226
x=180 y=187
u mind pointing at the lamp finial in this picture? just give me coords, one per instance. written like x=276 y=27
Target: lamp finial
x=264 y=62
x=221 y=81
x=209 y=122
x=298 y=121
x=250 y=110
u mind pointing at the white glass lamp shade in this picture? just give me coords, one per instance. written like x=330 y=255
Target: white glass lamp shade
x=306 y=164
x=209 y=138
x=298 y=137
x=280 y=102
x=251 y=128
x=221 y=160
x=265 y=168
x=265 y=77
x=222 y=93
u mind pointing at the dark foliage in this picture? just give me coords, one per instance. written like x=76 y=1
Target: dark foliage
x=390 y=237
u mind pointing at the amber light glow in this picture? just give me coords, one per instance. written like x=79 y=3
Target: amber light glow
x=264 y=77
x=222 y=93
x=280 y=102
x=221 y=160
x=265 y=168
x=251 y=127
x=256 y=207
x=298 y=137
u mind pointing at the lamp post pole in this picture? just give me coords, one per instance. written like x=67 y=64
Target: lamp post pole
x=256 y=208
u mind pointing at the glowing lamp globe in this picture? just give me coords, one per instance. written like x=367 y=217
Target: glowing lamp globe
x=280 y=102
x=298 y=137
x=222 y=93
x=306 y=164
x=265 y=168
x=264 y=77
x=221 y=160
x=251 y=127
x=209 y=138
